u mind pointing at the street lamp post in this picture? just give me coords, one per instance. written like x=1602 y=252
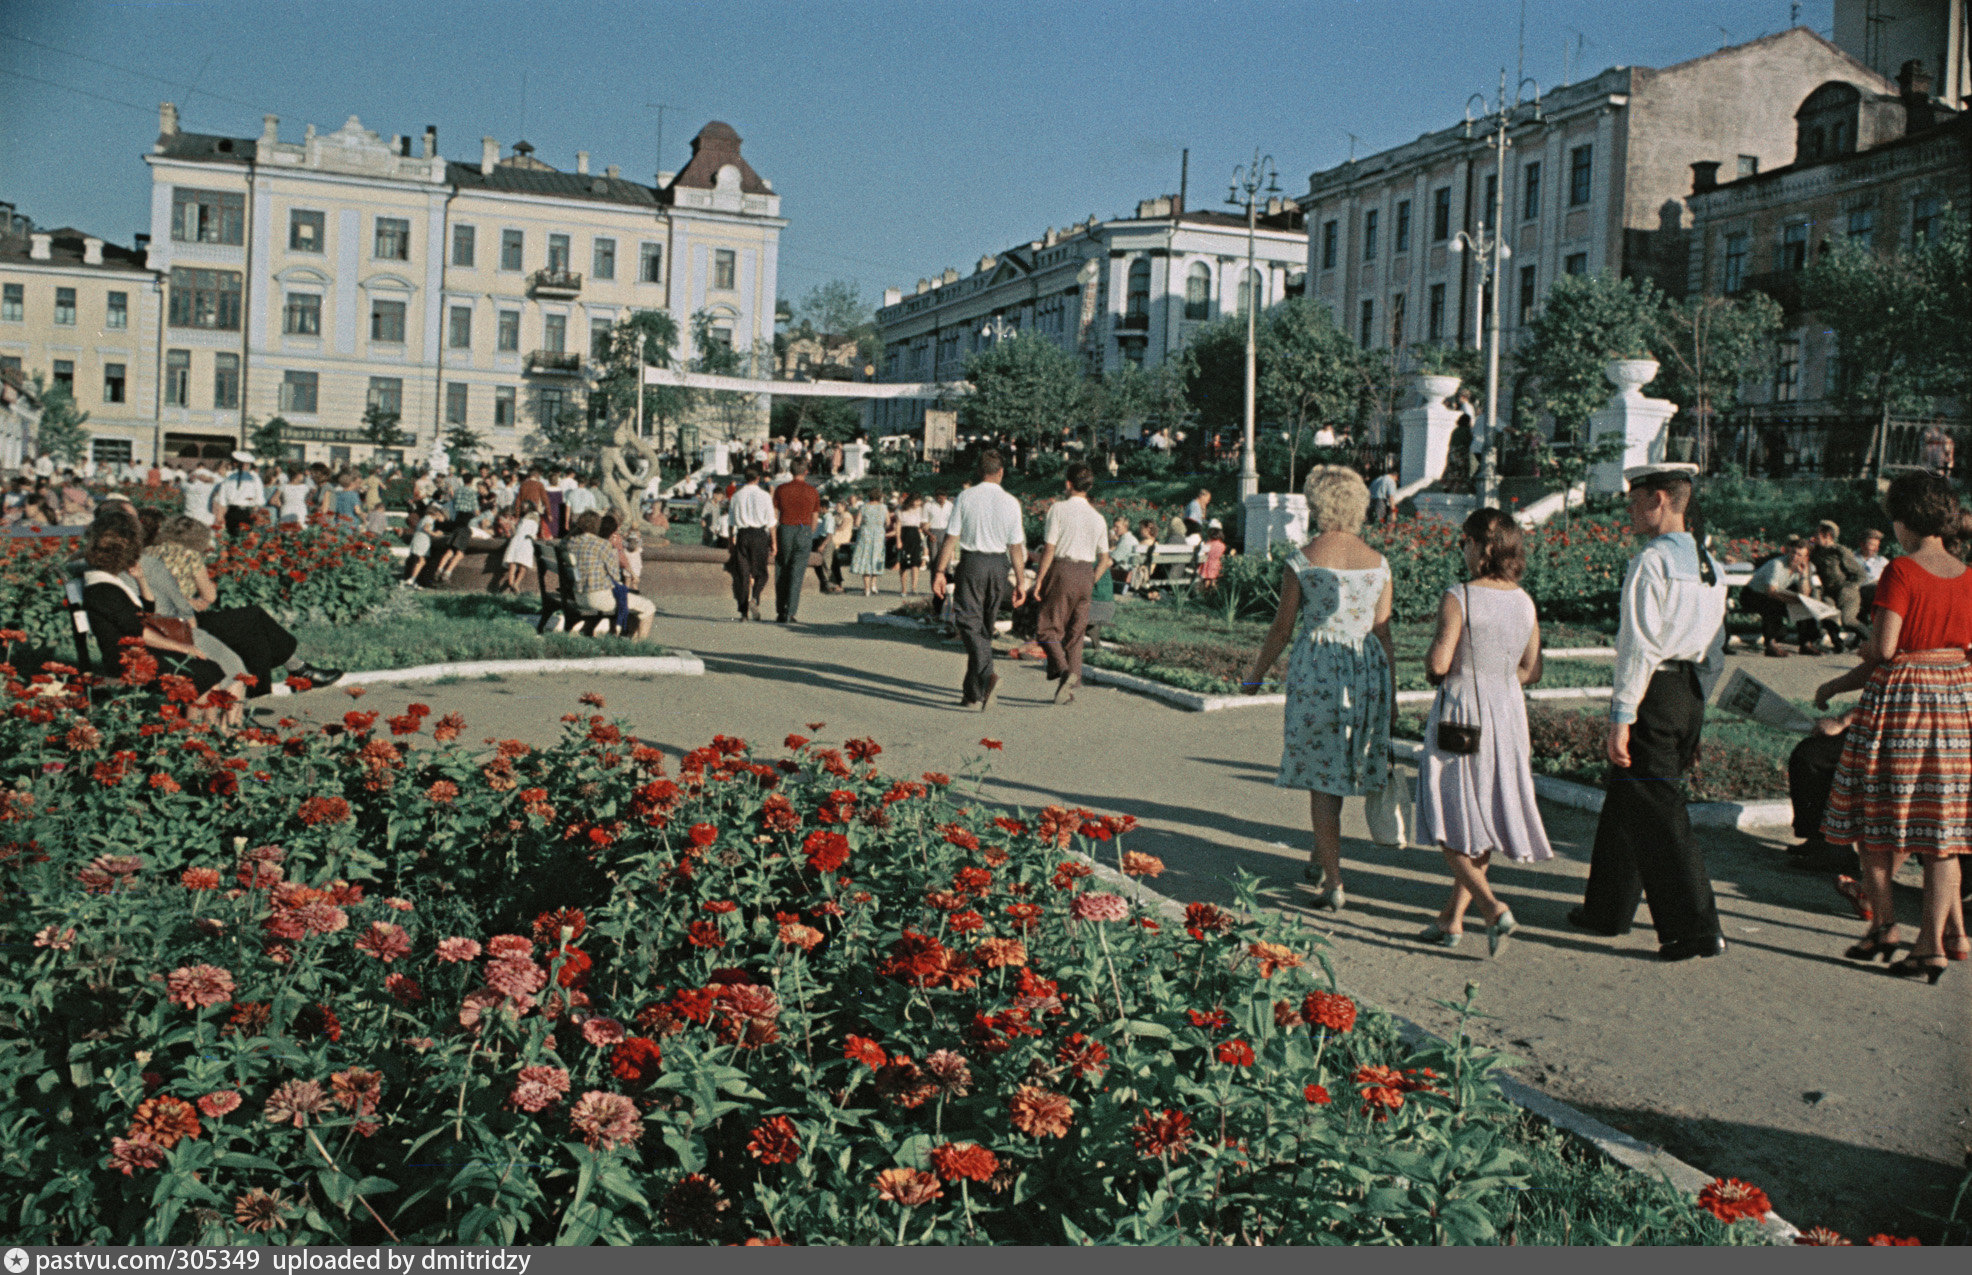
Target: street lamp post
x=1250 y=180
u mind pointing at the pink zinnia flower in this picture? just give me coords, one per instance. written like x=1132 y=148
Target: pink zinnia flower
x=197 y=986
x=602 y=1032
x=1099 y=907
x=606 y=1120
x=516 y=978
x=384 y=941
x=294 y=1102
x=132 y=1154
x=219 y=1103
x=455 y=950
x=504 y=945
x=49 y=936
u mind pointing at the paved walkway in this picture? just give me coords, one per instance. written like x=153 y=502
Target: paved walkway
x=1842 y=1092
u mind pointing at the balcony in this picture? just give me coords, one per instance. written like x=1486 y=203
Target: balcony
x=1783 y=286
x=554 y=363
x=555 y=283
x=1134 y=322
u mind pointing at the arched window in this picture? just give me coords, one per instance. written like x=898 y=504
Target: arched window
x=1198 y=291
x=1248 y=287
x=1138 y=313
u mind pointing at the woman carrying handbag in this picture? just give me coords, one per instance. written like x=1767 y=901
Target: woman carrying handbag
x=1475 y=791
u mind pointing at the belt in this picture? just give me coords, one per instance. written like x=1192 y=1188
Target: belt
x=1678 y=666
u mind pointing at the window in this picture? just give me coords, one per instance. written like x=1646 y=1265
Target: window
x=650 y=267
x=510 y=246
x=298 y=390
x=1247 y=286
x=602 y=260
x=1527 y=294
x=549 y=405
x=1492 y=199
x=1441 y=214
x=459 y=334
x=65 y=307
x=1575 y=263
x=178 y=378
x=1793 y=251
x=1397 y=337
x=1862 y=224
x=1923 y=218
x=1736 y=247
x=205 y=299
x=554 y=333
x=1198 y=291
x=302 y=314
x=455 y=403
x=503 y=407
x=65 y=374
x=1328 y=245
x=386 y=395
x=1787 y=370
x=1434 y=315
x=724 y=268
x=1403 y=243
x=722 y=339
x=207 y=216
x=110 y=451
x=118 y=313
x=387 y=321
x=304 y=231
x=112 y=382
x=1749 y=165
x=226 y=380
x=558 y=254
x=465 y=243
x=13 y=302
x=1368 y=333
x=1369 y=234
x=1581 y=174
x=1137 y=304
x=509 y=334
x=599 y=339
x=1530 y=192
x=393 y=239
x=11 y=362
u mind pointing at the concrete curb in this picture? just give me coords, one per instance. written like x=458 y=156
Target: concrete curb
x=683 y=664
x=1579 y=652
x=1620 y=1147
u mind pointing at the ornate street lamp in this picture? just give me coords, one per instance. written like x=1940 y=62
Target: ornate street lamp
x=1251 y=181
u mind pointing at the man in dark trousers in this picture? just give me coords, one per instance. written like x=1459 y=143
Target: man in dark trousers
x=753 y=543
x=795 y=505
x=1670 y=650
x=986 y=535
x=1074 y=555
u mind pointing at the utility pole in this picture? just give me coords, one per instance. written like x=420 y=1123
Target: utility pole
x=660 y=108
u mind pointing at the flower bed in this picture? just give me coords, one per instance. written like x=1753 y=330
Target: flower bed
x=358 y=983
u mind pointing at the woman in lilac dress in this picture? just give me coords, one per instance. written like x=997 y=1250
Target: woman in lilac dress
x=1487 y=647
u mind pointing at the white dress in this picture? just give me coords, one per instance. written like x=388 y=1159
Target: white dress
x=520 y=546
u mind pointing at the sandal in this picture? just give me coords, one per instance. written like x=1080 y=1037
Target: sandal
x=1437 y=937
x=1497 y=932
x=1958 y=949
x=1851 y=889
x=1874 y=945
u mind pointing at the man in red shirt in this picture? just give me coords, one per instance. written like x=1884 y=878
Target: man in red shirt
x=796 y=503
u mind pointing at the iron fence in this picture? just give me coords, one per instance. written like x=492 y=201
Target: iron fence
x=1770 y=444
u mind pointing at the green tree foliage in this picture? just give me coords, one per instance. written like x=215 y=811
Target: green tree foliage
x=1025 y=386
x=834 y=419
x=1135 y=397
x=380 y=428
x=269 y=440
x=1708 y=347
x=718 y=357
x=836 y=308
x=60 y=433
x=1585 y=321
x=1308 y=373
x=462 y=444
x=573 y=433
x=1466 y=362
x=1903 y=319
x=647 y=338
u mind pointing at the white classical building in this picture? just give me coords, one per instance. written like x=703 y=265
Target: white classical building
x=1129 y=290
x=314 y=279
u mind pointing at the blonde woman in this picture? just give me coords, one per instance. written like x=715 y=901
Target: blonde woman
x=1335 y=601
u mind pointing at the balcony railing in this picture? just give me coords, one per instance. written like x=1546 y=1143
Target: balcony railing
x=1783 y=286
x=1134 y=323
x=554 y=363
x=556 y=283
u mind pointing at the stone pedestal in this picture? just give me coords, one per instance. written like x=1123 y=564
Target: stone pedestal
x=1275 y=518
x=1427 y=430
x=716 y=458
x=1642 y=423
x=855 y=460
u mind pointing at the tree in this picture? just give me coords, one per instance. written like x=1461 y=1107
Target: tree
x=1901 y=319
x=1308 y=372
x=269 y=440
x=716 y=355
x=380 y=428
x=60 y=433
x=1584 y=323
x=835 y=308
x=462 y=444
x=574 y=432
x=1025 y=387
x=834 y=419
x=647 y=338
x=1710 y=346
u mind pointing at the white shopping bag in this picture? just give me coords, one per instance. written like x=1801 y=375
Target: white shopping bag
x=1389 y=812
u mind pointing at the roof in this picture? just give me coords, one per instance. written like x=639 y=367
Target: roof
x=716 y=146
x=508 y=179
x=1959 y=124
x=65 y=252
x=207 y=148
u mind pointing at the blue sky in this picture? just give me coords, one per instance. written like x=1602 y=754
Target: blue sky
x=902 y=137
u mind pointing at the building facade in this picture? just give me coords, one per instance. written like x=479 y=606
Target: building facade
x=1595 y=180
x=1129 y=290
x=84 y=314
x=1885 y=34
x=318 y=279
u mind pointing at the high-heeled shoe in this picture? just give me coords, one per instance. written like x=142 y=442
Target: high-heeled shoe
x=1437 y=936
x=1851 y=889
x=1874 y=945
x=1497 y=932
x=1918 y=967
x=1960 y=950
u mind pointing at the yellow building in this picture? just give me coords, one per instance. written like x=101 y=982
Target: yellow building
x=345 y=271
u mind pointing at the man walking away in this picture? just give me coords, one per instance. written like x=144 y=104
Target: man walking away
x=986 y=536
x=796 y=503
x=1670 y=650
x=1075 y=554
x=752 y=513
x=1383 y=499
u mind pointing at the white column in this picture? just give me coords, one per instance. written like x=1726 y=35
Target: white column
x=1275 y=518
x=1427 y=431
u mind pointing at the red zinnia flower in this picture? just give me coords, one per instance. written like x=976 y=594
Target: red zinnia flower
x=704 y=934
x=968 y=1160
x=1329 y=1009
x=636 y=1060
x=826 y=851
x=384 y=941
x=1236 y=1052
x=1729 y=1200
x=1317 y=1095
x=865 y=1051
x=775 y=1141
x=1163 y=1134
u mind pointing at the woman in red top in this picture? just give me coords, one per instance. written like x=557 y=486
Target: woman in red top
x=1905 y=781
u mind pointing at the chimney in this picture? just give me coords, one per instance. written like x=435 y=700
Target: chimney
x=431 y=141
x=270 y=130
x=924 y=285
x=612 y=172
x=891 y=296
x=582 y=162
x=141 y=241
x=403 y=146
x=167 y=119
x=92 y=251
x=489 y=155
x=40 y=246
x=1704 y=176
x=1915 y=85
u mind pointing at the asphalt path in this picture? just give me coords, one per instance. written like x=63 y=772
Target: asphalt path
x=1846 y=1094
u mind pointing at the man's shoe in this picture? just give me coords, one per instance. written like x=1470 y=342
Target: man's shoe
x=986 y=694
x=1776 y=651
x=1579 y=919
x=1811 y=648
x=1686 y=949
x=317 y=677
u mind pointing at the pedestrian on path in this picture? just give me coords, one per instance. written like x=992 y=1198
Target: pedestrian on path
x=796 y=502
x=989 y=540
x=1670 y=650
x=871 y=522
x=1476 y=796
x=910 y=542
x=753 y=543
x=1074 y=554
x=1335 y=599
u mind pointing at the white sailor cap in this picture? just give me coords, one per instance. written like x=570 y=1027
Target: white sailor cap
x=244 y=457
x=1641 y=475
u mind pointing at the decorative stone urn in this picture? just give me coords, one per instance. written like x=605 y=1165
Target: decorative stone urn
x=1427 y=429
x=1433 y=388
x=1629 y=376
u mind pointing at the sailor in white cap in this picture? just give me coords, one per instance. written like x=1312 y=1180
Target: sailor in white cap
x=239 y=494
x=1670 y=650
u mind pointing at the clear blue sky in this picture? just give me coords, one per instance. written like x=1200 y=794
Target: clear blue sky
x=903 y=137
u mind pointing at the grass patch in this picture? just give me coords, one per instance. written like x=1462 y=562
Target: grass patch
x=445 y=628
x=1574 y=1195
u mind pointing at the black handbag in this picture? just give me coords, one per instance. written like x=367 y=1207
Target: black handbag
x=1461 y=739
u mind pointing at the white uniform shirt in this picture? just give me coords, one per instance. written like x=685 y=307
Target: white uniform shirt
x=937 y=516
x=198 y=496
x=1076 y=531
x=294 y=500
x=241 y=489
x=1874 y=565
x=1668 y=613
x=986 y=519
x=752 y=507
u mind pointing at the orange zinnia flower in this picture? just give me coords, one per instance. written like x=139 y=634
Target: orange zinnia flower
x=1040 y=1113
x=908 y=1187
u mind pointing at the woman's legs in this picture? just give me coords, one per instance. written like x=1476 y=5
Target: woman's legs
x=1325 y=813
x=1469 y=884
x=869 y=586
x=1878 y=867
x=1940 y=895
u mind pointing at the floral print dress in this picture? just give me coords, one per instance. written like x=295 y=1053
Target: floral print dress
x=1337 y=734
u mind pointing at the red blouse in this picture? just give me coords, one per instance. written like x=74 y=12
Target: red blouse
x=1937 y=613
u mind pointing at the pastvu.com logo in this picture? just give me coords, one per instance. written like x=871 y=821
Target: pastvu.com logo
x=16 y=1261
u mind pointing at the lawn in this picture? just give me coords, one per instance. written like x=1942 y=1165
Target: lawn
x=440 y=628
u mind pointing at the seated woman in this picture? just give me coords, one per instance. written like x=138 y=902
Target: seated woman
x=117 y=604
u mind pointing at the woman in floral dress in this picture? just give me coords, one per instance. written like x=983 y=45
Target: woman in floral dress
x=1341 y=702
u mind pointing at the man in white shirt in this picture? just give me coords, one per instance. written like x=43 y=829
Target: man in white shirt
x=985 y=533
x=753 y=518
x=937 y=517
x=1198 y=512
x=1383 y=499
x=198 y=493
x=239 y=494
x=1074 y=555
x=1771 y=592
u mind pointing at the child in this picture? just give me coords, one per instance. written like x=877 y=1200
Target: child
x=1215 y=553
x=420 y=546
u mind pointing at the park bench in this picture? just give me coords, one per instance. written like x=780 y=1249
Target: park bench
x=561 y=609
x=1179 y=562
